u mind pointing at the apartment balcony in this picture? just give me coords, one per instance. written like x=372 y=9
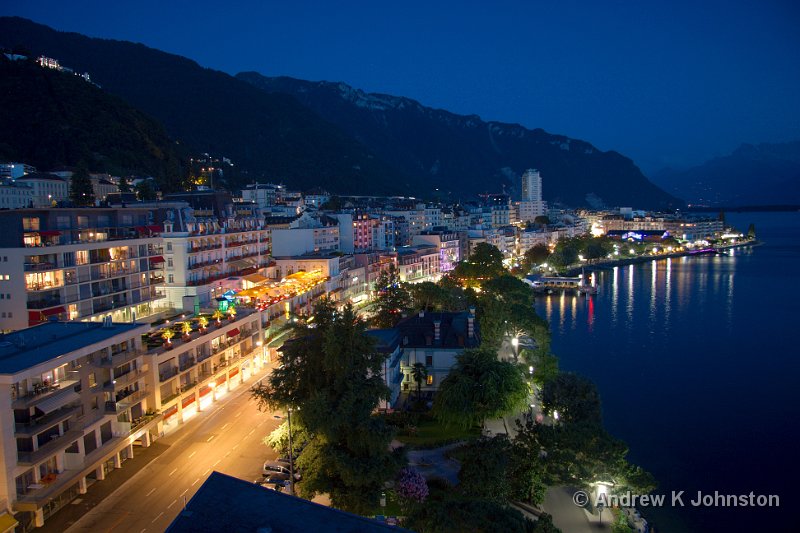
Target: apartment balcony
x=168 y=374
x=54 y=445
x=186 y=365
x=187 y=386
x=120 y=382
x=63 y=390
x=42 y=423
x=40 y=267
x=45 y=303
x=125 y=403
x=166 y=399
x=197 y=249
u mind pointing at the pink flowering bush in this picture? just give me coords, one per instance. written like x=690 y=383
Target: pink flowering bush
x=411 y=486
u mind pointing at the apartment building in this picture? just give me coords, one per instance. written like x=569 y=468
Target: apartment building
x=47 y=188
x=78 y=406
x=80 y=264
x=189 y=375
x=15 y=196
x=418 y=263
x=202 y=249
x=447 y=242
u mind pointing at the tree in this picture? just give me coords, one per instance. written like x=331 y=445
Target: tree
x=418 y=373
x=535 y=255
x=545 y=365
x=392 y=299
x=279 y=438
x=484 y=469
x=544 y=524
x=331 y=377
x=485 y=262
x=544 y=220
x=574 y=397
x=479 y=386
x=124 y=184
x=145 y=191
x=429 y=296
x=81 y=191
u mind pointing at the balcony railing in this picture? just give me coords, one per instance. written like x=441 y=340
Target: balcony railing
x=53 y=445
x=43 y=392
x=42 y=423
x=164 y=375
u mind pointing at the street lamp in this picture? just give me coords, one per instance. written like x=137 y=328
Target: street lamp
x=291 y=450
x=515 y=344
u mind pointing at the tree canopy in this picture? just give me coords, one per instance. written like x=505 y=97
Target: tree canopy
x=81 y=191
x=392 y=299
x=479 y=386
x=331 y=377
x=574 y=397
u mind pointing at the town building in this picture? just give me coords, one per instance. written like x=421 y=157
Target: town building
x=80 y=264
x=15 y=196
x=78 y=407
x=307 y=234
x=418 y=263
x=15 y=170
x=435 y=340
x=447 y=242
x=47 y=188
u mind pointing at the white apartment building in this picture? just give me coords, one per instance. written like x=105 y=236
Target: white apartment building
x=79 y=264
x=448 y=244
x=15 y=196
x=531 y=205
x=78 y=406
x=307 y=234
x=418 y=263
x=202 y=250
x=47 y=188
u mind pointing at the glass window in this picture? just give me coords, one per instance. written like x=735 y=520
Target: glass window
x=429 y=380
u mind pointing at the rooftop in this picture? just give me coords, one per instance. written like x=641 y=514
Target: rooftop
x=35 y=345
x=224 y=503
x=417 y=331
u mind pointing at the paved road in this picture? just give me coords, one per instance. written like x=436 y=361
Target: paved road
x=227 y=439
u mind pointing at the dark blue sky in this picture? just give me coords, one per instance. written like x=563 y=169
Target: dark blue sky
x=666 y=83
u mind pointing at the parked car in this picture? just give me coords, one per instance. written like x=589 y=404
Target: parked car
x=271 y=467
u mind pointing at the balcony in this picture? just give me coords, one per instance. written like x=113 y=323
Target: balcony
x=56 y=444
x=45 y=303
x=165 y=375
x=125 y=403
x=42 y=423
x=62 y=389
x=127 y=378
x=186 y=386
x=187 y=365
x=39 y=267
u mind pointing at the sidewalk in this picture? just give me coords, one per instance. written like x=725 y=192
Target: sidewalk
x=98 y=491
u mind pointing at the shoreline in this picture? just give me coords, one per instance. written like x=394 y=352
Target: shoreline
x=607 y=263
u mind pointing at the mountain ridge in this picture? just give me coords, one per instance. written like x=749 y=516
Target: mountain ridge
x=449 y=148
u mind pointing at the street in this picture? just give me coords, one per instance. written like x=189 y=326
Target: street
x=227 y=438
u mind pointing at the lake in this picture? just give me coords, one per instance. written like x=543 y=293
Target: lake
x=697 y=365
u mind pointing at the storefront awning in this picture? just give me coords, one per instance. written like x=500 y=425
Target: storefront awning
x=233 y=332
x=255 y=278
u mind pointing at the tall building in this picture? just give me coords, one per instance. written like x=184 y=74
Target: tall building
x=532 y=204
x=531 y=186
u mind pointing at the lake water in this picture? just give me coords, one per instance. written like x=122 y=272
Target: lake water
x=698 y=367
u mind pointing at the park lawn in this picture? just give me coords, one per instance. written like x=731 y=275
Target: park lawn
x=392 y=506
x=431 y=433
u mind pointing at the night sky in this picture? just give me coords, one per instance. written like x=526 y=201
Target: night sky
x=667 y=83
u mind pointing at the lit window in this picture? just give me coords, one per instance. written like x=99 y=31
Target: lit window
x=429 y=380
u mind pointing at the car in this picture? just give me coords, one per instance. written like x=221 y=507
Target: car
x=271 y=467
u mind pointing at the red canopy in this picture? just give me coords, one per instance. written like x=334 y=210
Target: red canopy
x=233 y=332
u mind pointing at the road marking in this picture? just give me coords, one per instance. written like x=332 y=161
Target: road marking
x=184 y=492
x=206 y=472
x=238 y=414
x=235 y=447
x=195 y=482
x=210 y=438
x=173 y=503
x=142 y=531
x=192 y=454
x=151 y=491
x=173 y=472
x=215 y=464
x=226 y=425
x=157 y=517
